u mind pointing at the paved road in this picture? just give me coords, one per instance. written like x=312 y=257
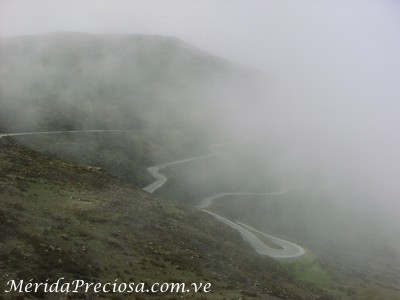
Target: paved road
x=161 y=179
x=69 y=131
x=289 y=249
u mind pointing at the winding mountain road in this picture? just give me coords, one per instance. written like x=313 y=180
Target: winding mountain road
x=289 y=249
x=161 y=179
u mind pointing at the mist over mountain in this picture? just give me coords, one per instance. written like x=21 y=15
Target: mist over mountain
x=185 y=98
x=76 y=80
x=334 y=171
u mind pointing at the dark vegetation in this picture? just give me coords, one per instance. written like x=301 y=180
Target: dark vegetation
x=125 y=154
x=63 y=220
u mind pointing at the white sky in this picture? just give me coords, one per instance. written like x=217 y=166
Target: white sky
x=255 y=32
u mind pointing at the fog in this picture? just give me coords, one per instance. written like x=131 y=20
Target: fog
x=328 y=97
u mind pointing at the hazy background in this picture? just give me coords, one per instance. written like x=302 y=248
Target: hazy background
x=331 y=68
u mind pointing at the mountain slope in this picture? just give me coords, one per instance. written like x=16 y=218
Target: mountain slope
x=62 y=220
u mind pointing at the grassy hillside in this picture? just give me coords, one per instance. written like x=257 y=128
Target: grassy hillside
x=125 y=154
x=59 y=219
